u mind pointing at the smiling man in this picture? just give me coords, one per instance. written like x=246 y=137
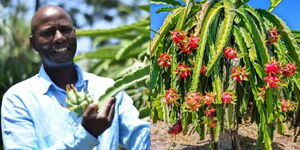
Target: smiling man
x=34 y=114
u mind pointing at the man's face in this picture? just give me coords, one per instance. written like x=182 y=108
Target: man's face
x=54 y=37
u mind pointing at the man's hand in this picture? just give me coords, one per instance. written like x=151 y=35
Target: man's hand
x=97 y=122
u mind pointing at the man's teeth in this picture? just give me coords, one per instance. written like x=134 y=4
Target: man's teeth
x=60 y=49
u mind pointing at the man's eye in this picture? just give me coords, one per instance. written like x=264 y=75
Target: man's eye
x=48 y=33
x=66 y=30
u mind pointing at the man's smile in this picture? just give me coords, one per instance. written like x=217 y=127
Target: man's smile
x=60 y=49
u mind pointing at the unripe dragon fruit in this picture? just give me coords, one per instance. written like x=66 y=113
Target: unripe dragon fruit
x=77 y=101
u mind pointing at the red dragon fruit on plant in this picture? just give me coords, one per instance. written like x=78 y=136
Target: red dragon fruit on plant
x=239 y=74
x=187 y=46
x=273 y=67
x=164 y=60
x=184 y=49
x=272 y=36
x=177 y=36
x=211 y=112
x=289 y=70
x=183 y=71
x=193 y=101
x=203 y=69
x=171 y=96
x=285 y=105
x=213 y=123
x=272 y=80
x=230 y=52
x=227 y=97
x=209 y=98
x=176 y=128
x=193 y=42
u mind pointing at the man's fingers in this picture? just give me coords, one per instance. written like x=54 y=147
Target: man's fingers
x=111 y=113
x=90 y=110
x=108 y=106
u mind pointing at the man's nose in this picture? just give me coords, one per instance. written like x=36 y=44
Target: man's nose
x=58 y=37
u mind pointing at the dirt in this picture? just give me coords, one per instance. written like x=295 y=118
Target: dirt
x=161 y=140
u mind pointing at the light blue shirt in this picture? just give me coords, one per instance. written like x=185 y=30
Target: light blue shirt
x=34 y=116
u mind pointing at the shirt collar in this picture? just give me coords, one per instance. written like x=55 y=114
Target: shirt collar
x=47 y=83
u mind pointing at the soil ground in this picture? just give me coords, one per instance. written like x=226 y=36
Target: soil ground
x=161 y=140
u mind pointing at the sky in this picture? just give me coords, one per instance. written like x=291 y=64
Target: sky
x=287 y=10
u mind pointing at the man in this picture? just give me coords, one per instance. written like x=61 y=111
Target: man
x=34 y=113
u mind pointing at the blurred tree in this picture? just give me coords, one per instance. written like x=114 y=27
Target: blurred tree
x=107 y=10
x=17 y=60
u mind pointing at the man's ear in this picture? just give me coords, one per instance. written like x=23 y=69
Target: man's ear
x=32 y=45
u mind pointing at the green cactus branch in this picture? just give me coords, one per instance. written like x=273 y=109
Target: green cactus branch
x=125 y=82
x=137 y=27
x=167 y=2
x=222 y=35
x=164 y=9
x=137 y=42
x=274 y=4
x=182 y=17
x=201 y=48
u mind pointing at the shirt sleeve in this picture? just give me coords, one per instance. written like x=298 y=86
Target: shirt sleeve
x=134 y=133
x=18 y=130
